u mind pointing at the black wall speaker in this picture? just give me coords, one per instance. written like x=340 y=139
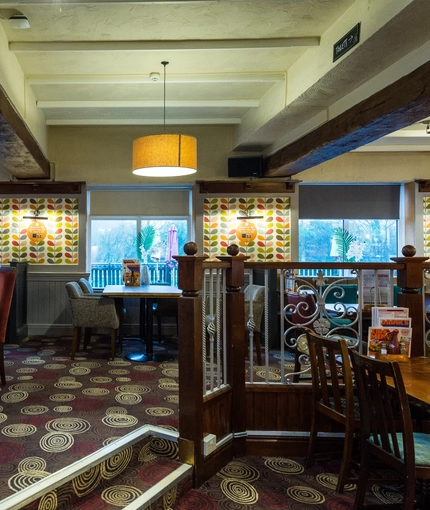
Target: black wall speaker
x=251 y=166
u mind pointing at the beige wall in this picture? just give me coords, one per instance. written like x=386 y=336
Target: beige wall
x=102 y=155
x=364 y=167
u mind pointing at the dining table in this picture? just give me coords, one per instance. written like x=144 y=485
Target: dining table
x=416 y=377
x=146 y=294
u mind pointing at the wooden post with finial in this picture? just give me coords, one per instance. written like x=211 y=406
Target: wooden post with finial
x=236 y=343
x=410 y=280
x=190 y=356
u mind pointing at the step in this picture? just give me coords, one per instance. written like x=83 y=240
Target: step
x=134 y=472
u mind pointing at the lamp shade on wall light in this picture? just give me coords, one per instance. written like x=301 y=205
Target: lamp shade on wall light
x=164 y=155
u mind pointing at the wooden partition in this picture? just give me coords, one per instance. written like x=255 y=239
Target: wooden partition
x=255 y=419
x=221 y=413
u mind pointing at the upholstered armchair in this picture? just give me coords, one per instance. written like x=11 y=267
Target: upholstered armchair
x=90 y=312
x=7 y=285
x=88 y=290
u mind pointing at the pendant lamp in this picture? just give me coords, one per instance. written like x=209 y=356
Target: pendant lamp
x=164 y=155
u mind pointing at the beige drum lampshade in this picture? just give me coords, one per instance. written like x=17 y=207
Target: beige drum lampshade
x=165 y=155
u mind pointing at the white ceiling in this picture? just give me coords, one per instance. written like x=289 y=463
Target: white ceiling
x=89 y=63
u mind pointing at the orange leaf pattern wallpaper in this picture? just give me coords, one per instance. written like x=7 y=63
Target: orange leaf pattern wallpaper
x=264 y=233
x=39 y=230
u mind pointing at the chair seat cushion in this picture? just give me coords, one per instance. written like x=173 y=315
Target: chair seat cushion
x=422 y=447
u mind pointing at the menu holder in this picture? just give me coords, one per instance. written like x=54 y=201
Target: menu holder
x=395 y=341
x=131 y=272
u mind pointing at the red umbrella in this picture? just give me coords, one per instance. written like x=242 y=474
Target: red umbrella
x=172 y=242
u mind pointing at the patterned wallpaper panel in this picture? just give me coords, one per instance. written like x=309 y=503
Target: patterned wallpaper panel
x=266 y=238
x=39 y=241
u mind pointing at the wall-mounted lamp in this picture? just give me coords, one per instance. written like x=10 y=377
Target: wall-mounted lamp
x=36 y=216
x=247 y=216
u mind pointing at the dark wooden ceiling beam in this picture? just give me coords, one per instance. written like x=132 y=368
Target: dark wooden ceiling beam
x=20 y=154
x=251 y=186
x=41 y=188
x=398 y=105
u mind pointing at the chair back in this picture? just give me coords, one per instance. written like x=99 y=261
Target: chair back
x=254 y=293
x=86 y=286
x=167 y=307
x=74 y=290
x=332 y=382
x=89 y=311
x=303 y=308
x=386 y=419
x=7 y=285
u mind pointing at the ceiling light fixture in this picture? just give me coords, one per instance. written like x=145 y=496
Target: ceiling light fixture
x=165 y=155
x=19 y=21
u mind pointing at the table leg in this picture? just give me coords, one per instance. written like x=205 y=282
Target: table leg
x=146 y=326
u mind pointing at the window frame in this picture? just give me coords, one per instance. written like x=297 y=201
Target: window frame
x=139 y=219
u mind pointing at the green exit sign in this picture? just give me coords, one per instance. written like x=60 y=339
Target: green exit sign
x=347 y=42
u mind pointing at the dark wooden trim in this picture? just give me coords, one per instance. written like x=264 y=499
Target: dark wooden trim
x=20 y=153
x=423 y=186
x=214 y=462
x=399 y=105
x=41 y=188
x=290 y=446
x=247 y=186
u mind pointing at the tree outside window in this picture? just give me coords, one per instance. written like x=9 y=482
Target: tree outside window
x=347 y=240
x=114 y=239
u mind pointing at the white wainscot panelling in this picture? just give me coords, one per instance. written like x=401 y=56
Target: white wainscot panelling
x=48 y=309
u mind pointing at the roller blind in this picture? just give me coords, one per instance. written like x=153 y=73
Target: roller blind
x=171 y=202
x=361 y=202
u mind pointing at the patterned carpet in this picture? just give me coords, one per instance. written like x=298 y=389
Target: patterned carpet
x=54 y=411
x=263 y=483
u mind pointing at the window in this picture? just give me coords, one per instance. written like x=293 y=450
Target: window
x=113 y=239
x=347 y=240
x=340 y=223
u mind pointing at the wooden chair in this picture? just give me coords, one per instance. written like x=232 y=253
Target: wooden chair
x=333 y=396
x=165 y=307
x=7 y=285
x=386 y=428
x=92 y=312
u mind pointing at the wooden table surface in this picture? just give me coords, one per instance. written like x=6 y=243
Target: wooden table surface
x=416 y=376
x=143 y=291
